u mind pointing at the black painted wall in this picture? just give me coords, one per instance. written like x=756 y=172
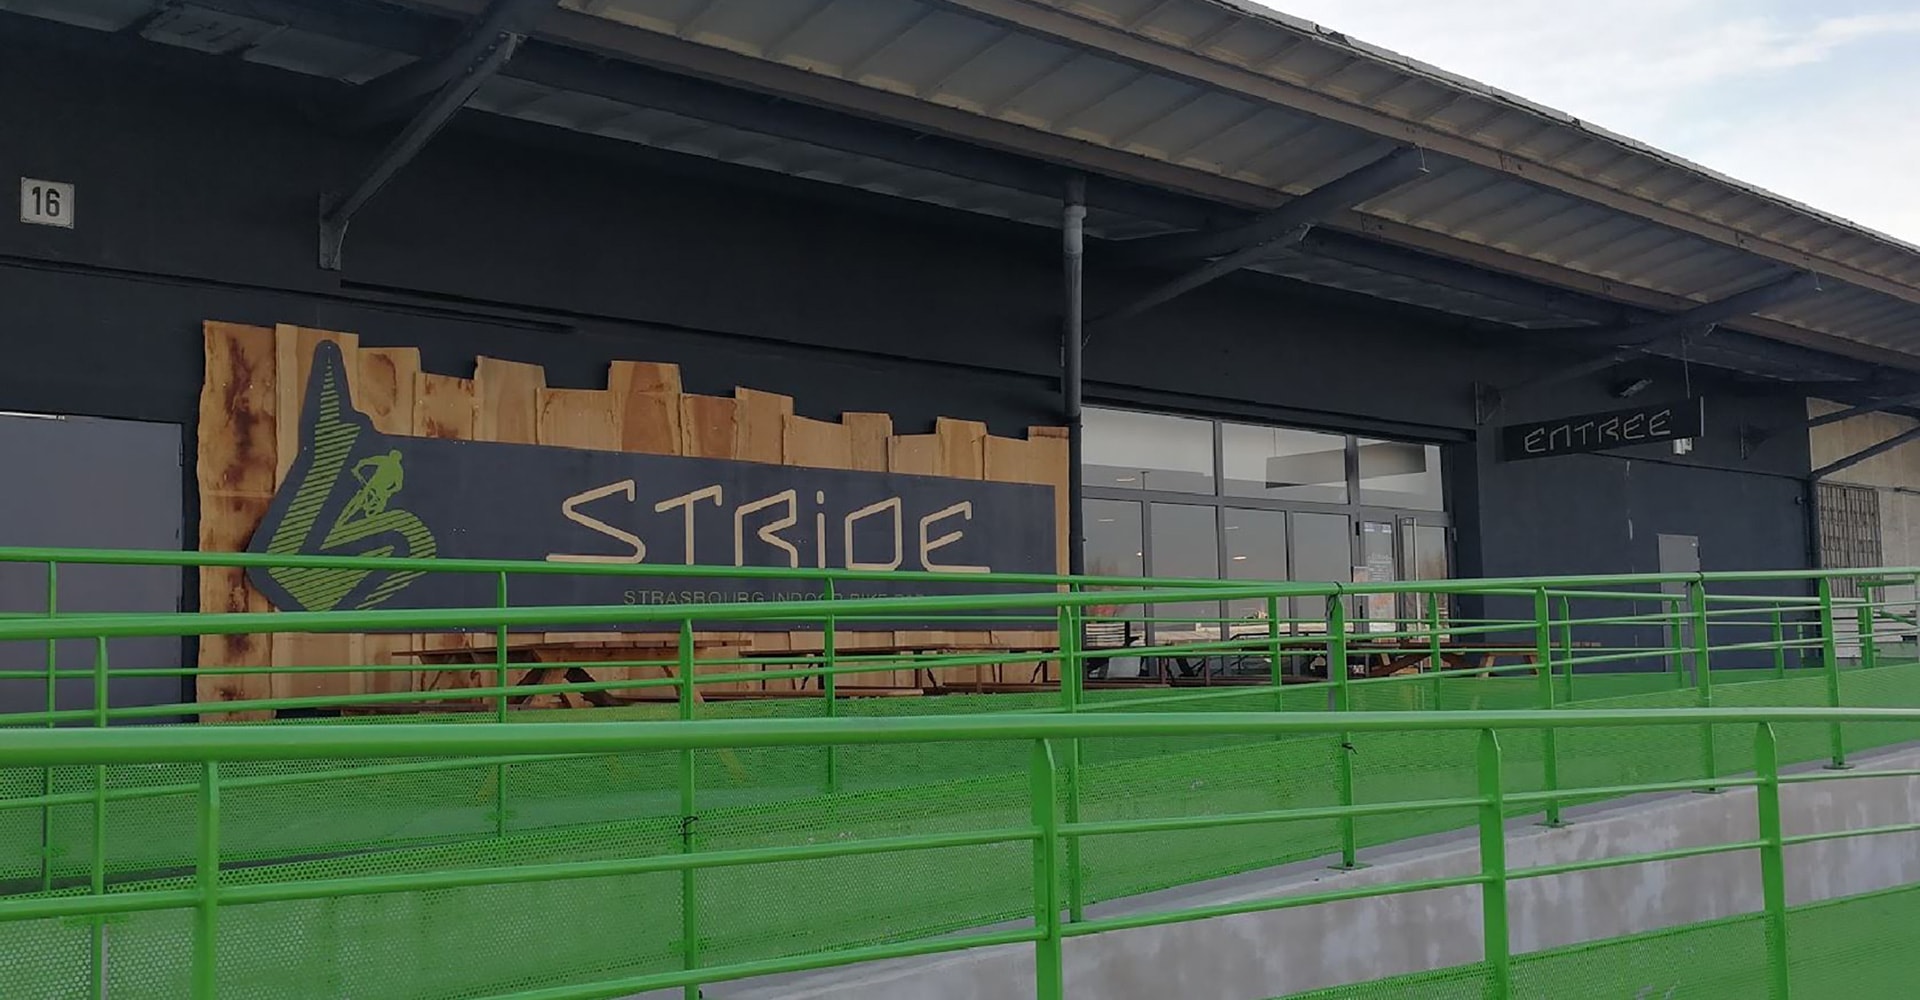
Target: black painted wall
x=198 y=180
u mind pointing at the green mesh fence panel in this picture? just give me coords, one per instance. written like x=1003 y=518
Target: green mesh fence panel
x=1858 y=948
x=1466 y=982
x=1883 y=686
x=376 y=818
x=352 y=810
x=1721 y=960
x=1195 y=777
x=48 y=958
x=1733 y=745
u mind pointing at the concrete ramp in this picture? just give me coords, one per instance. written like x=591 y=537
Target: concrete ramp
x=1291 y=951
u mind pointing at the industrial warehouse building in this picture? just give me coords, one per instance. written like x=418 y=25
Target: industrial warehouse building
x=1302 y=309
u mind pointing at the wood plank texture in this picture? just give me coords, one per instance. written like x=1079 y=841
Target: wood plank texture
x=649 y=406
x=580 y=418
x=758 y=428
x=384 y=384
x=707 y=426
x=237 y=447
x=509 y=400
x=817 y=444
x=870 y=434
x=249 y=408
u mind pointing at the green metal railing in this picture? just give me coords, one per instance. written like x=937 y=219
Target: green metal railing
x=203 y=952
x=1697 y=626
x=1765 y=641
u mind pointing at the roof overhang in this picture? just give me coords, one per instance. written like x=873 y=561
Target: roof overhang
x=1183 y=114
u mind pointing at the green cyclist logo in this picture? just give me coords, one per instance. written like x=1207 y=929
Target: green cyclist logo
x=339 y=499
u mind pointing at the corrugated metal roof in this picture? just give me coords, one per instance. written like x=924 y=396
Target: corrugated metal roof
x=1215 y=99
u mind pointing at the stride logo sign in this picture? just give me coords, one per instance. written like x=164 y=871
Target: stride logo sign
x=355 y=491
x=1590 y=432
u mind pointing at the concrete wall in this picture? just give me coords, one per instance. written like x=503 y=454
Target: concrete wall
x=1895 y=477
x=1262 y=955
x=1895 y=474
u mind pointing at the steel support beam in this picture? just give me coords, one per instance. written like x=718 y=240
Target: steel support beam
x=700 y=100
x=1072 y=346
x=1370 y=181
x=1876 y=406
x=390 y=95
x=1643 y=338
x=1271 y=232
x=337 y=212
x=1865 y=453
x=1333 y=244
x=1759 y=436
x=1599 y=364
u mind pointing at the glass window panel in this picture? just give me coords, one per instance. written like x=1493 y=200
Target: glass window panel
x=1432 y=562
x=1322 y=553
x=1430 y=553
x=1256 y=550
x=1283 y=463
x=1379 y=554
x=1186 y=544
x=1114 y=548
x=1113 y=538
x=1147 y=451
x=1398 y=474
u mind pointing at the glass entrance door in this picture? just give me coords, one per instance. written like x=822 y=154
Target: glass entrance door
x=1377 y=560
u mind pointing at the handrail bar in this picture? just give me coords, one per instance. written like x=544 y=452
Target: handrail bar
x=36 y=747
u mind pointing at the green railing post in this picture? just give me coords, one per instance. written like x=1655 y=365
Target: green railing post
x=1779 y=645
x=500 y=681
x=1773 y=873
x=207 y=880
x=53 y=705
x=1676 y=643
x=1435 y=663
x=1549 y=740
x=1863 y=620
x=828 y=687
x=1275 y=671
x=1566 y=641
x=97 y=869
x=1493 y=867
x=1702 y=670
x=689 y=836
x=1344 y=751
x=1073 y=672
x=1043 y=792
x=1830 y=664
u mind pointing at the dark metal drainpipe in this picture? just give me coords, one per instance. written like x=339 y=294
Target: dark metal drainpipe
x=1073 y=241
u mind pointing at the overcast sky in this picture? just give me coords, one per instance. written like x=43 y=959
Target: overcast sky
x=1816 y=100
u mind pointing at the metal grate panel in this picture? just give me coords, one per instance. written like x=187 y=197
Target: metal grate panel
x=1849 y=531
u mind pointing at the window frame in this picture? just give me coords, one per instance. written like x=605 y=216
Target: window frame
x=1356 y=512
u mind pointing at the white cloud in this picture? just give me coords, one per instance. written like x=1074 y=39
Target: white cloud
x=1814 y=102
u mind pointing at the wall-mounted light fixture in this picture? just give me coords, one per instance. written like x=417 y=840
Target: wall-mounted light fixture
x=1627 y=390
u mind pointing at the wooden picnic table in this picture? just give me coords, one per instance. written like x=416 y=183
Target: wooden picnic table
x=570 y=660
x=986 y=678
x=1366 y=657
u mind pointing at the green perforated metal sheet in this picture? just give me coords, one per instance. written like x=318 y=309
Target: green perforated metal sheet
x=487 y=939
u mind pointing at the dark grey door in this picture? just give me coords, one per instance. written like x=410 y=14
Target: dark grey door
x=87 y=483
x=1680 y=554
